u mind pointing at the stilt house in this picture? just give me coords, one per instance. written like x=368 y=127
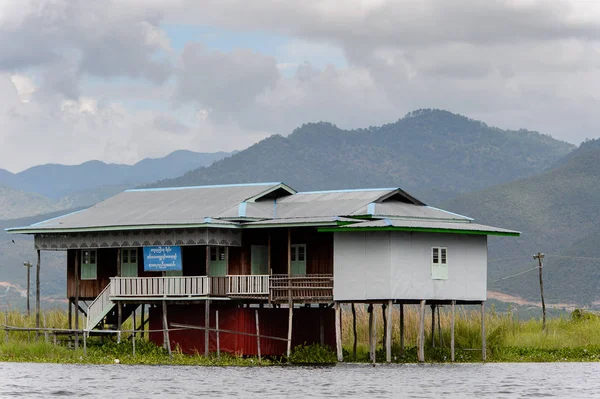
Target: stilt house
x=261 y=256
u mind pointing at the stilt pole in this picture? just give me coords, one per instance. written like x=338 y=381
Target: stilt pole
x=452 y=332
x=206 y=327
x=76 y=303
x=374 y=336
x=37 y=294
x=290 y=302
x=388 y=337
x=166 y=328
x=218 y=335
x=257 y=335
x=321 y=327
x=354 y=331
x=143 y=322
x=338 y=332
x=119 y=319
x=433 y=326
x=401 y=329
x=483 y=343
x=422 y=332
x=370 y=311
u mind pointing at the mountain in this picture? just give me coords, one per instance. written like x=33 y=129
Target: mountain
x=50 y=187
x=14 y=203
x=58 y=181
x=558 y=213
x=431 y=153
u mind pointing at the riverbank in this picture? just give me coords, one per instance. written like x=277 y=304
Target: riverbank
x=572 y=339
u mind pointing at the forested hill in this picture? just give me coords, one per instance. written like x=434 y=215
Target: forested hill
x=558 y=213
x=432 y=153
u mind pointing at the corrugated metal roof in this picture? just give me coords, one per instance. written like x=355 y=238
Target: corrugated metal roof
x=326 y=220
x=424 y=224
x=400 y=209
x=170 y=206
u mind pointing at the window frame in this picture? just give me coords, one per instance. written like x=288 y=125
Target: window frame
x=91 y=268
x=439 y=262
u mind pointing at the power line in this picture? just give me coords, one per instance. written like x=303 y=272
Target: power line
x=573 y=257
x=514 y=275
x=511 y=258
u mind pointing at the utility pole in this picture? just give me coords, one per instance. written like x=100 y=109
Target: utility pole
x=539 y=256
x=28 y=266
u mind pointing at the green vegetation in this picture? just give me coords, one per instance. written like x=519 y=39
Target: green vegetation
x=572 y=338
x=557 y=213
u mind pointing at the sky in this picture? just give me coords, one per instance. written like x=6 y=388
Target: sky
x=123 y=80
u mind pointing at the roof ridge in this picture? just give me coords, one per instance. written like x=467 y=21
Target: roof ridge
x=199 y=187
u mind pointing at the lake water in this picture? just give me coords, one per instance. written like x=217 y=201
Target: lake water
x=559 y=380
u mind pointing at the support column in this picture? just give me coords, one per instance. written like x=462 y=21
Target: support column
x=77 y=288
x=422 y=332
x=401 y=329
x=166 y=328
x=143 y=321
x=206 y=327
x=483 y=343
x=354 y=331
x=388 y=335
x=374 y=336
x=321 y=326
x=433 y=326
x=37 y=294
x=290 y=302
x=370 y=311
x=338 y=332
x=119 y=303
x=452 y=332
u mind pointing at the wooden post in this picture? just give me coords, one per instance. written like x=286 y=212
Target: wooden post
x=206 y=327
x=76 y=303
x=483 y=346
x=143 y=323
x=133 y=321
x=6 y=325
x=321 y=327
x=354 y=332
x=452 y=332
x=422 y=332
x=338 y=332
x=257 y=335
x=37 y=293
x=119 y=319
x=374 y=337
x=401 y=329
x=45 y=331
x=166 y=328
x=439 y=322
x=84 y=343
x=388 y=336
x=218 y=335
x=370 y=311
x=28 y=266
x=384 y=317
x=133 y=343
x=290 y=302
x=539 y=256
x=70 y=314
x=433 y=326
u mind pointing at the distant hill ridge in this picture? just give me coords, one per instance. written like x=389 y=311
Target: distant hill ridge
x=432 y=153
x=558 y=212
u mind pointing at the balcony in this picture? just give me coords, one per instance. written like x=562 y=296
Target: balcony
x=273 y=288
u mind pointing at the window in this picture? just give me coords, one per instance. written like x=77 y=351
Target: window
x=439 y=263
x=259 y=259
x=129 y=264
x=298 y=259
x=217 y=254
x=88 y=265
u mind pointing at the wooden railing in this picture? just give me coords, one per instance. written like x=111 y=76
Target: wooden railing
x=99 y=308
x=218 y=286
x=253 y=285
x=312 y=287
x=175 y=286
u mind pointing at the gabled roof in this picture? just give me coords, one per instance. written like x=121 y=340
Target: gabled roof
x=159 y=208
x=261 y=205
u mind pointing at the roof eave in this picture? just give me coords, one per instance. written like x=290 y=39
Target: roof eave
x=27 y=230
x=422 y=230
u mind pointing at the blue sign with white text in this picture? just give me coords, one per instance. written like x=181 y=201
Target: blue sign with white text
x=162 y=258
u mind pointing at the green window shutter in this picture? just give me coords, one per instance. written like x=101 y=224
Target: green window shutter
x=88 y=269
x=259 y=259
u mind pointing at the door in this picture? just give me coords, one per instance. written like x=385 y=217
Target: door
x=129 y=262
x=218 y=262
x=298 y=259
x=259 y=261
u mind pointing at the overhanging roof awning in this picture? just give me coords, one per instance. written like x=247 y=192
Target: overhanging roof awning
x=424 y=227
